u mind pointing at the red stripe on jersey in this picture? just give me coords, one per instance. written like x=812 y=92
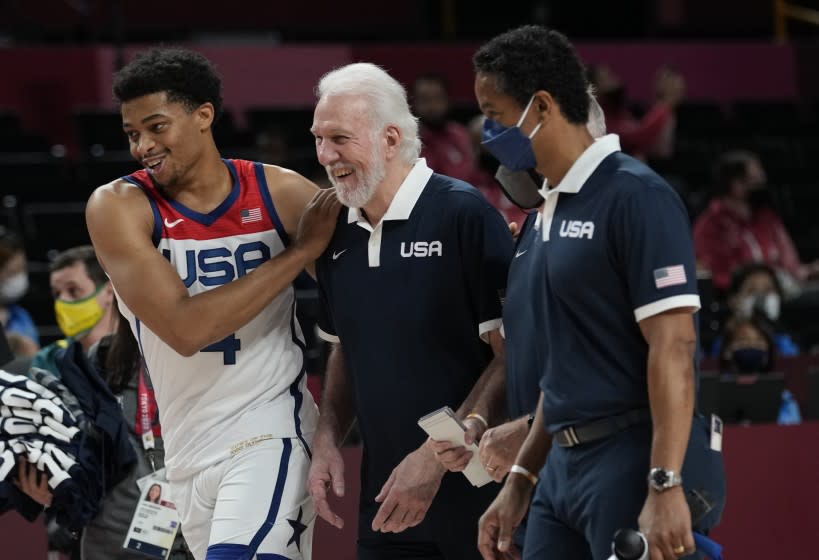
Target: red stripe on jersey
x=179 y=224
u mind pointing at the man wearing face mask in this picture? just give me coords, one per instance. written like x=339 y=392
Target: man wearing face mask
x=602 y=290
x=739 y=226
x=83 y=304
x=20 y=329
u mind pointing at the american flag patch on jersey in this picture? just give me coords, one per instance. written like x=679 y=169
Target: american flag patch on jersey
x=669 y=276
x=252 y=215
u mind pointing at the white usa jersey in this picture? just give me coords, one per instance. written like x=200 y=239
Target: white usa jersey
x=251 y=385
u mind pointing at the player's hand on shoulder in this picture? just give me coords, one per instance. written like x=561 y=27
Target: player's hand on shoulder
x=318 y=223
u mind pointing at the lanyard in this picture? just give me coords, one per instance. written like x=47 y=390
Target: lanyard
x=144 y=417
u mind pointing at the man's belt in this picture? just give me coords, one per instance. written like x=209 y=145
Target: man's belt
x=598 y=429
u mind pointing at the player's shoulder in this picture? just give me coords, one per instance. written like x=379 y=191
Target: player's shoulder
x=119 y=192
x=278 y=177
x=290 y=193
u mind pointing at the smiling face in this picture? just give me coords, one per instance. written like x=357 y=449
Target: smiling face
x=350 y=147
x=164 y=137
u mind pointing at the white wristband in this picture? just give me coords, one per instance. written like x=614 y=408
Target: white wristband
x=525 y=472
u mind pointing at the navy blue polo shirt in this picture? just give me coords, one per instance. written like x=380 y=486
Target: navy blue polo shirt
x=409 y=301
x=524 y=351
x=613 y=247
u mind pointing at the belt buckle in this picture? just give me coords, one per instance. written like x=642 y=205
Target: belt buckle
x=570 y=437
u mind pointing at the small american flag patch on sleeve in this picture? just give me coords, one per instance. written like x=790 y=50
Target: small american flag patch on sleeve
x=670 y=276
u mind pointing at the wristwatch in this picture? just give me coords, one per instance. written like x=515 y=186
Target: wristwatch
x=661 y=479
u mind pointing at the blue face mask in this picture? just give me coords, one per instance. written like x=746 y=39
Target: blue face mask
x=509 y=145
x=750 y=360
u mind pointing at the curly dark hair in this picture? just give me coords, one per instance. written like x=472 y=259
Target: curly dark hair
x=187 y=77
x=531 y=58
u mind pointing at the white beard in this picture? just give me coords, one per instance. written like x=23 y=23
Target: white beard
x=356 y=196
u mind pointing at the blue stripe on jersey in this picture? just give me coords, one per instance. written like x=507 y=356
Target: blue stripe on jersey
x=216 y=213
x=232 y=551
x=226 y=551
x=268 y=202
x=156 y=236
x=294 y=387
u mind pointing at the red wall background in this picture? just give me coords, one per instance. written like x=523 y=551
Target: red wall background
x=44 y=85
x=771 y=514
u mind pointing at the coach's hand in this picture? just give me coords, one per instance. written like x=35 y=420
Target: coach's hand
x=455 y=458
x=318 y=223
x=500 y=445
x=408 y=493
x=498 y=523
x=666 y=523
x=326 y=471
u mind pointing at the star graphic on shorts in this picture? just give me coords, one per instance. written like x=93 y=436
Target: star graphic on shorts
x=298 y=529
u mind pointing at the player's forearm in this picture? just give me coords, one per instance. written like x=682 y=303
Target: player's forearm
x=488 y=395
x=532 y=454
x=671 y=397
x=211 y=316
x=336 y=412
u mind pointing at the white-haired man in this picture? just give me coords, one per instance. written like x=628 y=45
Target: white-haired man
x=411 y=285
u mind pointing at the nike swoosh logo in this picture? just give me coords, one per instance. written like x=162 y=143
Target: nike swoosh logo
x=519 y=253
x=337 y=255
x=173 y=223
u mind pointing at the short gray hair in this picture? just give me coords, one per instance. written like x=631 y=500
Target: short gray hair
x=387 y=101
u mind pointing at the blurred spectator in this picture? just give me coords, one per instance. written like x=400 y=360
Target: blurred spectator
x=750 y=349
x=739 y=226
x=757 y=294
x=20 y=330
x=83 y=303
x=445 y=143
x=653 y=134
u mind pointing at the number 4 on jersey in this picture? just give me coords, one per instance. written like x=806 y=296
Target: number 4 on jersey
x=228 y=346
